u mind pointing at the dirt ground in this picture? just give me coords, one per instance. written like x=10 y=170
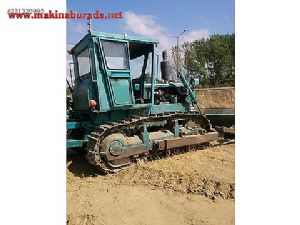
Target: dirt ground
x=193 y=188
x=216 y=98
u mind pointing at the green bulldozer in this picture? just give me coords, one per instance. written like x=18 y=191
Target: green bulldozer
x=120 y=109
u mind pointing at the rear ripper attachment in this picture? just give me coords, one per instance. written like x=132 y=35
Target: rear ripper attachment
x=113 y=145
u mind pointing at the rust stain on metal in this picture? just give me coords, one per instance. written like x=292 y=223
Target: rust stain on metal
x=133 y=151
x=184 y=141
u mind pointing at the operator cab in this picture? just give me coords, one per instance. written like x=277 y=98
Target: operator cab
x=116 y=71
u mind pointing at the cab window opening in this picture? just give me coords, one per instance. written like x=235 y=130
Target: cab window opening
x=116 y=55
x=84 y=65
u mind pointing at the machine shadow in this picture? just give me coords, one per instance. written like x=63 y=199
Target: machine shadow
x=78 y=165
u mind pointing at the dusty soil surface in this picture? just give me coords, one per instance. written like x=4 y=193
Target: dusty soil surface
x=216 y=98
x=193 y=188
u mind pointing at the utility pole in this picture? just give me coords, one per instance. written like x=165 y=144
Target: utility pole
x=177 y=37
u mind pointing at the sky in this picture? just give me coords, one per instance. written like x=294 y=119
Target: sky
x=158 y=19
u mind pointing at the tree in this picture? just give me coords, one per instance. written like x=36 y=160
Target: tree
x=213 y=59
x=221 y=59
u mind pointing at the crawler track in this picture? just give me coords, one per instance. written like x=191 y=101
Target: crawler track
x=96 y=155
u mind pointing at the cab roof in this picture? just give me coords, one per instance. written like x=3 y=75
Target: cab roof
x=124 y=37
x=111 y=36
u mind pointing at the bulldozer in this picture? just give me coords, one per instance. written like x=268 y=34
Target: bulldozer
x=121 y=111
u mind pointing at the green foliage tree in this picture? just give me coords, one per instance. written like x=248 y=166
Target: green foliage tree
x=213 y=59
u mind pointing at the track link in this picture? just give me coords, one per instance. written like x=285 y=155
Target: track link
x=100 y=132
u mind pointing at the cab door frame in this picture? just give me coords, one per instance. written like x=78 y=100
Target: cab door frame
x=117 y=78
